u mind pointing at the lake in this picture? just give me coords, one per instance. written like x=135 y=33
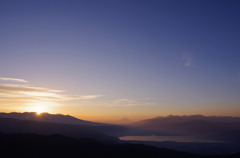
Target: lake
x=165 y=138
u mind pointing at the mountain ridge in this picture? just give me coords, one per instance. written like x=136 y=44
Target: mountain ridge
x=211 y=127
x=47 y=117
x=178 y=118
x=12 y=125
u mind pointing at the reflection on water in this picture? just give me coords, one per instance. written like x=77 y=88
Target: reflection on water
x=165 y=138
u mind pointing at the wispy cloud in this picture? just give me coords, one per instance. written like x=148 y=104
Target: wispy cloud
x=14 y=94
x=10 y=90
x=125 y=102
x=30 y=98
x=89 y=96
x=188 y=62
x=13 y=79
x=22 y=88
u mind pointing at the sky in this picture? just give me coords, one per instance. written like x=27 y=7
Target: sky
x=105 y=60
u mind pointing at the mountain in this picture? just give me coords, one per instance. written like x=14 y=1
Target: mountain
x=185 y=118
x=210 y=127
x=108 y=129
x=226 y=134
x=10 y=126
x=46 y=117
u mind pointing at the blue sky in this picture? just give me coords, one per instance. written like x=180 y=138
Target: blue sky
x=160 y=57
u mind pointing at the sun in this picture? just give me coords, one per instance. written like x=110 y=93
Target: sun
x=39 y=109
x=39 y=112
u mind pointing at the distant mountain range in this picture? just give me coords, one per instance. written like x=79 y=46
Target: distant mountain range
x=225 y=131
x=11 y=126
x=66 y=125
x=184 y=118
x=46 y=117
x=222 y=128
x=45 y=123
x=108 y=129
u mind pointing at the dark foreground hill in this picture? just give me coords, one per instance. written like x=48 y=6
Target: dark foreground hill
x=39 y=146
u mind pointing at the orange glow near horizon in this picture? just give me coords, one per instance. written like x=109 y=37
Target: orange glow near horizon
x=107 y=117
x=39 y=107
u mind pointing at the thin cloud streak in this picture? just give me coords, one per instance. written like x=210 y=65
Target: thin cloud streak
x=123 y=102
x=39 y=92
x=89 y=96
x=13 y=79
x=22 y=88
x=22 y=95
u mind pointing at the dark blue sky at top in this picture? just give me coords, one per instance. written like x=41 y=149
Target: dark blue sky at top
x=126 y=48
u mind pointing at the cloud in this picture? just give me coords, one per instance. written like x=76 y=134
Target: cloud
x=30 y=98
x=10 y=90
x=13 y=79
x=22 y=88
x=125 y=102
x=89 y=96
x=188 y=62
x=14 y=94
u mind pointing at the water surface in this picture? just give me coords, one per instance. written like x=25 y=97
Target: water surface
x=165 y=138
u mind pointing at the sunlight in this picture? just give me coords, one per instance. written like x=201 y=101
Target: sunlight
x=39 y=109
x=40 y=106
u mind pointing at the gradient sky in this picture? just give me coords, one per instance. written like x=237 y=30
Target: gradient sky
x=120 y=58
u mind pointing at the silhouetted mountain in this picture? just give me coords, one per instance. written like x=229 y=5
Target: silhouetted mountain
x=213 y=127
x=108 y=129
x=185 y=118
x=9 y=125
x=46 y=117
x=108 y=135
x=38 y=146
